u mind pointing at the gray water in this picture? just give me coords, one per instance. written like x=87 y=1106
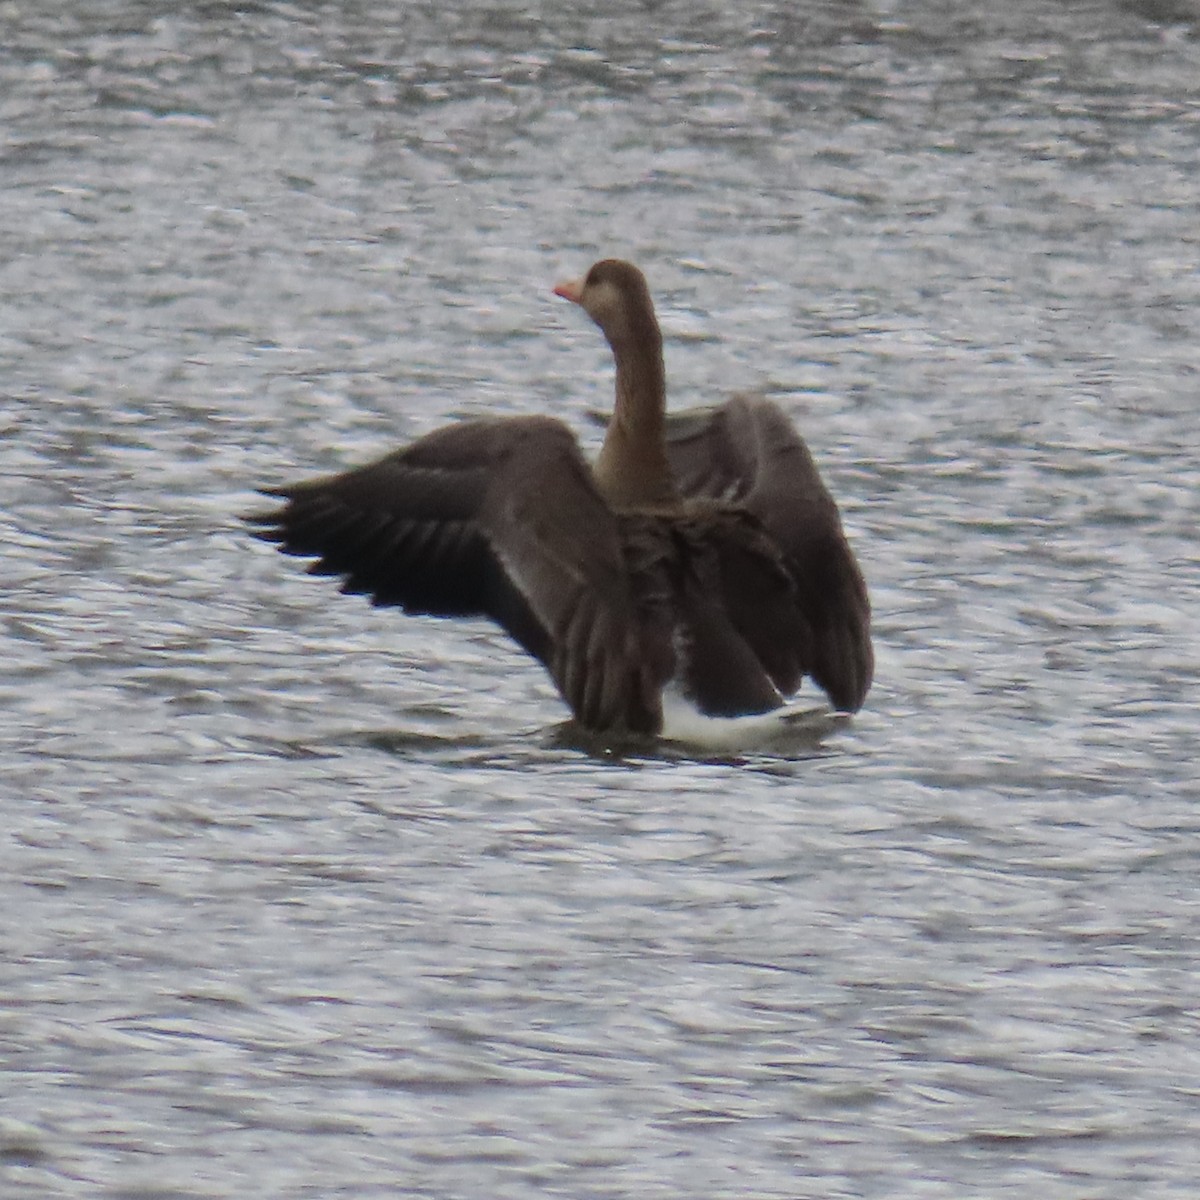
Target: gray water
x=301 y=899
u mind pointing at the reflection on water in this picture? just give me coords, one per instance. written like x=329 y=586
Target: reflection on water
x=304 y=897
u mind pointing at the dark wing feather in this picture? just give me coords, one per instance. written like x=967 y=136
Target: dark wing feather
x=747 y=453
x=677 y=563
x=759 y=597
x=496 y=518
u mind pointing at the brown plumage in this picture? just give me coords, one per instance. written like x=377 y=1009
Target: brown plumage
x=702 y=549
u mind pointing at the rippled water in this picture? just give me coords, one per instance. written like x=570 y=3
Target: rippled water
x=301 y=899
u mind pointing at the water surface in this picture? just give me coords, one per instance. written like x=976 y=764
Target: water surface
x=303 y=899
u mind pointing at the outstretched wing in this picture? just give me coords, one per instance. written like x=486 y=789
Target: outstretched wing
x=747 y=453
x=497 y=518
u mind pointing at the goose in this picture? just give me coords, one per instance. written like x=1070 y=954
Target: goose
x=701 y=552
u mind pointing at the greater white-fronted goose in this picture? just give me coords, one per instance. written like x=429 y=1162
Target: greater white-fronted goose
x=702 y=551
